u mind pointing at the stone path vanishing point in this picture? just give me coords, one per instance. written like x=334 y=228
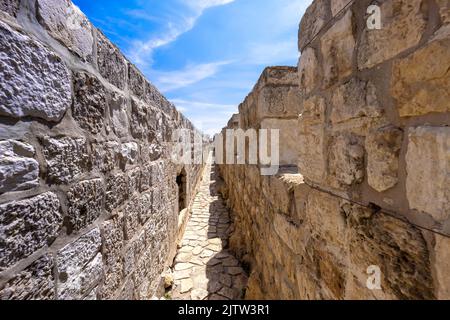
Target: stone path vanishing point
x=204 y=269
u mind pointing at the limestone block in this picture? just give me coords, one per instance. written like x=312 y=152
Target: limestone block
x=279 y=102
x=146 y=177
x=106 y=155
x=428 y=167
x=66 y=23
x=338 y=45
x=128 y=290
x=146 y=204
x=136 y=81
x=11 y=7
x=325 y=218
x=288 y=130
x=66 y=158
x=85 y=201
x=129 y=260
x=403 y=24
x=111 y=63
x=26 y=61
x=26 y=226
x=113 y=240
x=354 y=100
x=129 y=153
x=312 y=22
x=18 y=168
x=383 y=150
x=421 y=81
x=134 y=179
x=346 y=160
x=131 y=213
x=308 y=70
x=90 y=102
x=80 y=267
x=337 y=6
x=113 y=281
x=393 y=245
x=442 y=267
x=332 y=275
x=116 y=191
x=444 y=6
x=288 y=232
x=36 y=282
x=140 y=114
x=118 y=107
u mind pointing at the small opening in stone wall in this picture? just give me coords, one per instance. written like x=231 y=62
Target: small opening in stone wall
x=182 y=190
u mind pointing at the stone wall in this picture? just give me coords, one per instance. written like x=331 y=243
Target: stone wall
x=373 y=141
x=88 y=194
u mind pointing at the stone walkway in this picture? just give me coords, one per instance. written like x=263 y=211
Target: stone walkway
x=204 y=269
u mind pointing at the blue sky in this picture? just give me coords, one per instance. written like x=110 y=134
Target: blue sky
x=204 y=55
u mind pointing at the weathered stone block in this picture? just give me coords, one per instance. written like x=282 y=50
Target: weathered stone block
x=36 y=282
x=67 y=24
x=66 y=158
x=355 y=100
x=338 y=45
x=312 y=22
x=132 y=213
x=129 y=153
x=421 y=81
x=136 y=81
x=346 y=160
x=111 y=63
x=11 y=7
x=140 y=117
x=134 y=179
x=90 y=102
x=337 y=6
x=79 y=266
x=311 y=140
x=308 y=71
x=117 y=191
x=428 y=167
x=325 y=218
x=26 y=226
x=396 y=247
x=444 y=6
x=26 y=61
x=383 y=150
x=85 y=201
x=332 y=275
x=113 y=240
x=112 y=283
x=146 y=204
x=279 y=102
x=106 y=155
x=129 y=260
x=118 y=106
x=18 y=168
x=288 y=133
x=403 y=24
x=442 y=266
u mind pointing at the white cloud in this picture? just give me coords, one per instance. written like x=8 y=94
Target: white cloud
x=193 y=73
x=272 y=53
x=141 y=52
x=197 y=105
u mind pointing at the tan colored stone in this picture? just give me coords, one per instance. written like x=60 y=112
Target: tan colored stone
x=312 y=22
x=337 y=6
x=354 y=100
x=186 y=285
x=199 y=294
x=288 y=133
x=428 y=168
x=421 y=82
x=403 y=23
x=338 y=45
x=444 y=6
x=383 y=149
x=442 y=266
x=346 y=160
x=308 y=71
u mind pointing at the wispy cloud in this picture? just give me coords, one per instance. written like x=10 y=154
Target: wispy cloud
x=272 y=53
x=198 y=105
x=193 y=73
x=141 y=52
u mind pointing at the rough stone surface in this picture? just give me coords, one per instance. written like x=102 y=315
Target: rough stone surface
x=26 y=226
x=11 y=7
x=118 y=113
x=26 y=61
x=136 y=81
x=309 y=70
x=403 y=23
x=116 y=191
x=428 y=165
x=383 y=151
x=338 y=45
x=442 y=256
x=66 y=23
x=18 y=168
x=420 y=84
x=106 y=155
x=85 y=200
x=347 y=160
x=111 y=62
x=312 y=22
x=36 y=282
x=66 y=158
x=90 y=102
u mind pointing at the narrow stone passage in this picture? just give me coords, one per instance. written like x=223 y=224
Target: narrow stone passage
x=204 y=269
